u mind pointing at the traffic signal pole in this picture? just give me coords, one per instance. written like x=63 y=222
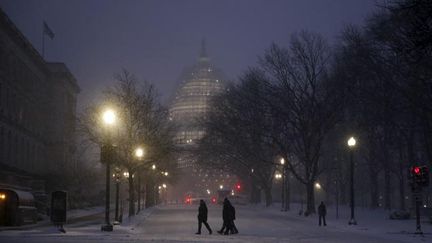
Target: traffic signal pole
x=419 y=178
x=418 y=225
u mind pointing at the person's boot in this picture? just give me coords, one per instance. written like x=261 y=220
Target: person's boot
x=219 y=231
x=210 y=232
x=198 y=233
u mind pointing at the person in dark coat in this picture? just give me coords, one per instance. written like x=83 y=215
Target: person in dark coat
x=225 y=217
x=322 y=211
x=228 y=216
x=232 y=217
x=202 y=217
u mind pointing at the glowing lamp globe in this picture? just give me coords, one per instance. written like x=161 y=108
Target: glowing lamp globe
x=109 y=117
x=351 y=142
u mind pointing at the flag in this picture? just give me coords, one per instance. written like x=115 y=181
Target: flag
x=48 y=31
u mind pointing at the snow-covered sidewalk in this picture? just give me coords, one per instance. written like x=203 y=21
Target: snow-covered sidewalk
x=256 y=224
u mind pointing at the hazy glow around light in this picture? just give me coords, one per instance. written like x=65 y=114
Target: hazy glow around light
x=282 y=161
x=139 y=152
x=351 y=142
x=164 y=185
x=109 y=117
x=317 y=186
x=153 y=167
x=221 y=187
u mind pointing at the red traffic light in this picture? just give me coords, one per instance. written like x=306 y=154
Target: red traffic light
x=416 y=170
x=238 y=186
x=188 y=200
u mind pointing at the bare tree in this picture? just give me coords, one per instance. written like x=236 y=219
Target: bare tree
x=305 y=103
x=236 y=134
x=142 y=122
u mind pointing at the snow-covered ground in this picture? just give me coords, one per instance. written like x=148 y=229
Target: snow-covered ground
x=255 y=223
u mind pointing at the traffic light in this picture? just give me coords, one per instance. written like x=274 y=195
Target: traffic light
x=238 y=186
x=419 y=176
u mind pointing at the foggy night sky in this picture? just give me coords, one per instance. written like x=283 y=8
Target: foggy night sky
x=155 y=40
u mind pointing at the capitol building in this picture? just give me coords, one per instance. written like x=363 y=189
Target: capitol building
x=199 y=84
x=192 y=100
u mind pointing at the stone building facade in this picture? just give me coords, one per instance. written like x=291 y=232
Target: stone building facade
x=37 y=112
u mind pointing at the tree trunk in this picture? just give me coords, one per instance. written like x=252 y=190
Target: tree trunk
x=402 y=193
x=343 y=193
x=426 y=138
x=401 y=178
x=139 y=192
x=287 y=190
x=374 y=189
x=149 y=196
x=255 y=194
x=310 y=198
x=268 y=196
x=131 y=195
x=387 y=189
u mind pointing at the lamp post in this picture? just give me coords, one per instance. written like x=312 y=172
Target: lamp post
x=109 y=119
x=116 y=176
x=351 y=145
x=283 y=193
x=164 y=193
x=139 y=154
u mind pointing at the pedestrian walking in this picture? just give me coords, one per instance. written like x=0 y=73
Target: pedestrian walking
x=233 y=217
x=202 y=217
x=322 y=211
x=228 y=216
x=225 y=216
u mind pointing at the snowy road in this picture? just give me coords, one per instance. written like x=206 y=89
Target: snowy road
x=178 y=224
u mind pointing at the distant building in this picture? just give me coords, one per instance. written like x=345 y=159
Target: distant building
x=199 y=84
x=37 y=112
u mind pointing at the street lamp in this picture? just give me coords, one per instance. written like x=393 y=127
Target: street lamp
x=109 y=119
x=284 y=186
x=116 y=176
x=153 y=167
x=139 y=154
x=164 y=193
x=351 y=144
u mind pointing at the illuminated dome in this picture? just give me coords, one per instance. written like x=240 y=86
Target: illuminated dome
x=198 y=84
